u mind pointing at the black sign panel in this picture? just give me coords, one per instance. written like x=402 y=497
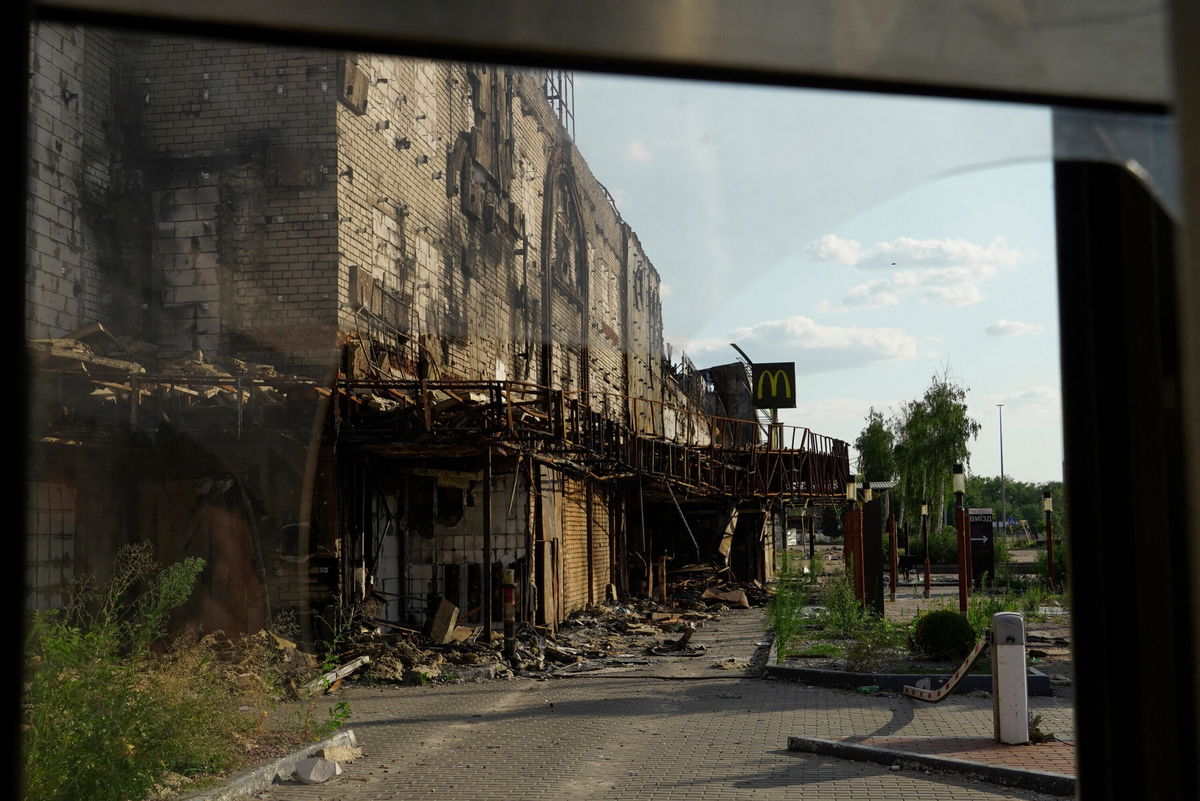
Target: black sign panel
x=774 y=385
x=983 y=546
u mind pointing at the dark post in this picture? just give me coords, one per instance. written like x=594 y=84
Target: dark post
x=852 y=527
x=925 y=541
x=1048 y=507
x=487 y=547
x=812 y=539
x=509 y=591
x=962 y=532
x=893 y=554
x=871 y=550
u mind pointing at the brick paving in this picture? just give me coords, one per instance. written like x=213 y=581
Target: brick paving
x=1056 y=756
x=675 y=729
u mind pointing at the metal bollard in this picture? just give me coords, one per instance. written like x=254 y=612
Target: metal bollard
x=1010 y=697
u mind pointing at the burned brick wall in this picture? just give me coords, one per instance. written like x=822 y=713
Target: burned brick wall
x=72 y=149
x=472 y=234
x=232 y=148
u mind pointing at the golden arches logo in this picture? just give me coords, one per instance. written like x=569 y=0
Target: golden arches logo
x=775 y=376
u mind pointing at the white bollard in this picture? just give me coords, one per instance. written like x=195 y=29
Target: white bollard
x=1010 y=697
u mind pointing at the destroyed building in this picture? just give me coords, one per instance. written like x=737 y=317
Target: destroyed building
x=361 y=327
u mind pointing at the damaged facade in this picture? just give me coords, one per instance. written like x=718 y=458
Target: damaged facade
x=358 y=327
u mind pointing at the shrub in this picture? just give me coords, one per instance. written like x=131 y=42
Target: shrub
x=981 y=608
x=943 y=546
x=108 y=716
x=943 y=634
x=871 y=644
x=843 y=616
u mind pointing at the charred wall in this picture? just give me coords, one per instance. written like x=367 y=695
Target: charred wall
x=231 y=150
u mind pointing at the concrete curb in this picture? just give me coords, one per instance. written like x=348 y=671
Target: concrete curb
x=1038 y=683
x=1036 y=780
x=263 y=776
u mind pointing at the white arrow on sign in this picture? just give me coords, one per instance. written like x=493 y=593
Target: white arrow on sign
x=979 y=539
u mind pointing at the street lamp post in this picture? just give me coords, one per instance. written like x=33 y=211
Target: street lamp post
x=962 y=536
x=1048 y=508
x=1003 y=500
x=925 y=541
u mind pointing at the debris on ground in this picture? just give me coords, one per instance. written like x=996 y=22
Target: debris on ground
x=610 y=635
x=325 y=682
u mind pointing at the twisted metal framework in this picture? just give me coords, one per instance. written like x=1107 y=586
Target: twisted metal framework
x=705 y=454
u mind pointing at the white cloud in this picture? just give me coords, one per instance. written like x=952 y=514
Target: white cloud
x=938 y=272
x=815 y=348
x=833 y=248
x=639 y=151
x=1012 y=328
x=664 y=290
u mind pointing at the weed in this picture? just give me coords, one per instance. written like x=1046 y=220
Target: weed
x=980 y=609
x=843 y=616
x=103 y=717
x=1036 y=735
x=820 y=649
x=872 y=644
x=785 y=611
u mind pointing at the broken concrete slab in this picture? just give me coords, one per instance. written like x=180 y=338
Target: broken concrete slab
x=461 y=634
x=445 y=620
x=317 y=770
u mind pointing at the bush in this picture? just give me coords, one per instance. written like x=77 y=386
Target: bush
x=108 y=717
x=943 y=634
x=843 y=616
x=942 y=545
x=871 y=644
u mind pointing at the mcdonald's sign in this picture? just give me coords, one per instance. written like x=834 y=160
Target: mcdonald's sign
x=774 y=385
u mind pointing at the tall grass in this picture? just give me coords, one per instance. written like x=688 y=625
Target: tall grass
x=794 y=587
x=109 y=710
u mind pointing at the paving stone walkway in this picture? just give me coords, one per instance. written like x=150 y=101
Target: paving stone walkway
x=1057 y=756
x=684 y=728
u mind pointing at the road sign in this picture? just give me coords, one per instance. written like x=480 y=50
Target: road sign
x=774 y=385
x=1012 y=521
x=983 y=554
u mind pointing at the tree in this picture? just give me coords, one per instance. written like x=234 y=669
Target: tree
x=931 y=435
x=876 y=449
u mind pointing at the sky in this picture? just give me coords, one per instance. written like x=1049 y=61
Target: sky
x=874 y=240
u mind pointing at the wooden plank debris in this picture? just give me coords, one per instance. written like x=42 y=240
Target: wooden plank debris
x=328 y=680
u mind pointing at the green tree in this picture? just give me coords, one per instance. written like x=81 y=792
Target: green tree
x=931 y=434
x=876 y=449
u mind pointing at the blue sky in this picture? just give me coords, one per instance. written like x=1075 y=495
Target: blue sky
x=871 y=239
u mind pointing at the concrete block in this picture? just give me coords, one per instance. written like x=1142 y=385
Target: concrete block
x=317 y=770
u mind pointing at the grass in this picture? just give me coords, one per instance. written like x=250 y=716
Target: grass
x=112 y=708
x=841 y=627
x=868 y=639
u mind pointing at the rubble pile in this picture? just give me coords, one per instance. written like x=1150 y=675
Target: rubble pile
x=692 y=584
x=608 y=635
